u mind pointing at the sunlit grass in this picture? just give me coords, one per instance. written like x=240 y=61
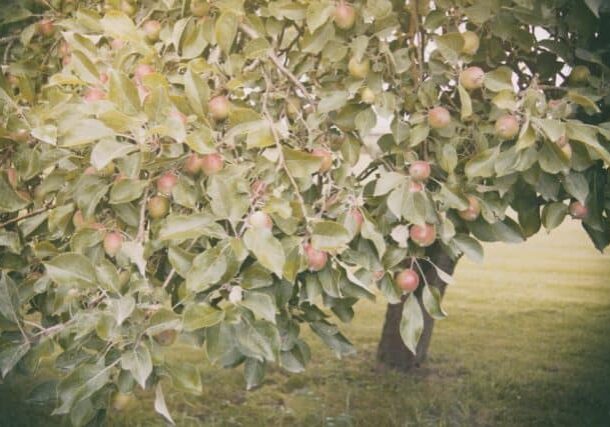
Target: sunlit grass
x=527 y=343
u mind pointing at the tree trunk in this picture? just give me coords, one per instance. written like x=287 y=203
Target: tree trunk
x=392 y=353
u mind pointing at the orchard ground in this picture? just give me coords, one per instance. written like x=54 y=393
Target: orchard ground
x=527 y=343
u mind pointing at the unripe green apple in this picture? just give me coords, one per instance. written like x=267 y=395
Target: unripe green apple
x=472 y=78
x=158 y=207
x=358 y=69
x=344 y=16
x=293 y=107
x=507 y=126
x=473 y=210
x=439 y=117
x=471 y=42
x=367 y=95
x=407 y=280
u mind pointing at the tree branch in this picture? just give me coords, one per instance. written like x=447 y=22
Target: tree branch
x=141 y=224
x=27 y=215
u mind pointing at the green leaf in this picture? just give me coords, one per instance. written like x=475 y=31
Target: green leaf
x=181 y=227
x=450 y=45
x=317 y=14
x=411 y=323
x=553 y=215
x=369 y=231
x=499 y=79
x=262 y=305
x=71 y=269
x=266 y=248
x=9 y=299
x=301 y=164
x=139 y=362
x=254 y=372
x=329 y=236
x=83 y=132
x=197 y=92
x=186 y=377
x=576 y=184
x=208 y=268
x=161 y=406
x=84 y=68
x=107 y=150
x=387 y=182
x=10 y=200
x=197 y=316
x=482 y=164
x=469 y=247
x=333 y=101
x=10 y=355
x=553 y=129
x=80 y=384
x=226 y=30
x=587 y=135
x=126 y=190
x=201 y=140
x=465 y=102
x=431 y=298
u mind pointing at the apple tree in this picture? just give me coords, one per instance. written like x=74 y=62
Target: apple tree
x=229 y=172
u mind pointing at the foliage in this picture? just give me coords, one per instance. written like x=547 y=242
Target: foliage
x=140 y=144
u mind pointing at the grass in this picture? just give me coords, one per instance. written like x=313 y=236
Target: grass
x=527 y=343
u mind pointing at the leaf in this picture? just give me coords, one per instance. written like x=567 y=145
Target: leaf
x=387 y=182
x=262 y=305
x=181 y=227
x=317 y=14
x=226 y=30
x=329 y=236
x=499 y=79
x=266 y=248
x=161 y=406
x=254 y=372
x=107 y=150
x=186 y=377
x=431 y=298
x=201 y=140
x=301 y=164
x=576 y=184
x=553 y=129
x=334 y=101
x=139 y=363
x=208 y=268
x=127 y=190
x=411 y=323
x=197 y=91
x=450 y=45
x=369 y=231
x=180 y=259
x=469 y=247
x=83 y=132
x=198 y=316
x=553 y=215
x=134 y=250
x=124 y=307
x=418 y=134
x=81 y=383
x=71 y=269
x=10 y=355
x=465 y=102
x=482 y=164
x=587 y=135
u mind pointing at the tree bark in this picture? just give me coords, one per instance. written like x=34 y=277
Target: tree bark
x=392 y=353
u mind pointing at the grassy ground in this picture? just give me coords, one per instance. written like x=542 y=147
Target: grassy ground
x=527 y=343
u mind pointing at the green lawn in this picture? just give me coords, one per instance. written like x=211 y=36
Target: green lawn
x=527 y=343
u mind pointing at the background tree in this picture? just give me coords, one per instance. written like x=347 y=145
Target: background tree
x=209 y=170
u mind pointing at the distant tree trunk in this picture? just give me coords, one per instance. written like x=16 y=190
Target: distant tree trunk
x=392 y=353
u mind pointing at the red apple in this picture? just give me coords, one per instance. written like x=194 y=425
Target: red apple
x=143 y=70
x=166 y=183
x=178 y=115
x=45 y=27
x=193 y=164
x=103 y=78
x=423 y=235
x=419 y=170
x=158 y=207
x=471 y=42
x=166 y=338
x=325 y=155
x=439 y=117
x=152 y=29
x=90 y=170
x=112 y=243
x=473 y=210
x=415 y=187
x=260 y=219
x=211 y=164
x=117 y=44
x=344 y=15
x=578 y=210
x=507 y=126
x=407 y=280
x=472 y=78
x=219 y=107
x=94 y=94
x=316 y=260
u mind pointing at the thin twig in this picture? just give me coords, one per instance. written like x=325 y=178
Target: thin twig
x=141 y=224
x=27 y=215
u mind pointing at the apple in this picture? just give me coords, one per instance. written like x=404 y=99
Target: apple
x=326 y=156
x=45 y=27
x=192 y=165
x=166 y=183
x=199 y=8
x=180 y=116
x=103 y=78
x=211 y=164
x=316 y=260
x=415 y=187
x=578 y=210
x=473 y=210
x=565 y=146
x=143 y=70
x=219 y=107
x=358 y=69
x=112 y=243
x=438 y=117
x=471 y=42
x=419 y=170
x=166 y=338
x=293 y=107
x=21 y=135
x=128 y=8
x=117 y=44
x=423 y=235
x=357 y=217
x=367 y=95
x=152 y=29
x=258 y=187
x=78 y=220
x=94 y=94
x=507 y=126
x=472 y=78
x=344 y=16
x=579 y=76
x=158 y=207
x=260 y=219
x=407 y=280
x=121 y=400
x=89 y=170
